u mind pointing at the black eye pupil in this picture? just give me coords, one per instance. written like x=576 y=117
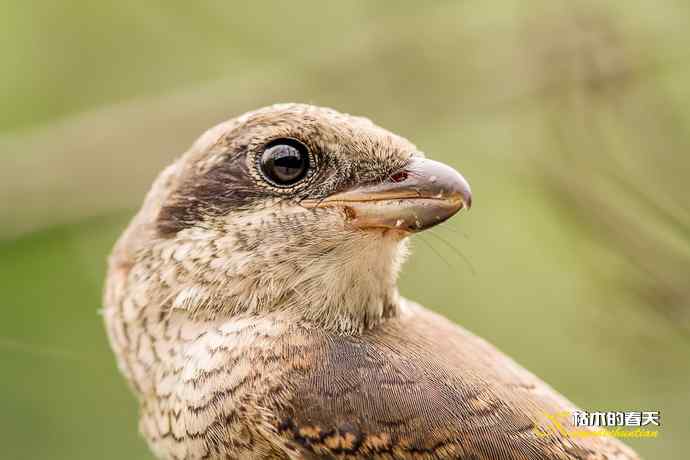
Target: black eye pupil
x=285 y=162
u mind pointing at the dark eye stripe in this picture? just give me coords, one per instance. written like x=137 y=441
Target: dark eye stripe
x=226 y=187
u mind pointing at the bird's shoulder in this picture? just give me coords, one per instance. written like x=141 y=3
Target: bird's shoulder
x=419 y=386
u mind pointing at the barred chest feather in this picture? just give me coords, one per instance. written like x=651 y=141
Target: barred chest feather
x=205 y=399
x=203 y=384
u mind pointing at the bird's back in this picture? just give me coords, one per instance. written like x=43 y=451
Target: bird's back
x=422 y=387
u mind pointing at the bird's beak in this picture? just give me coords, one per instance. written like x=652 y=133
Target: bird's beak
x=421 y=195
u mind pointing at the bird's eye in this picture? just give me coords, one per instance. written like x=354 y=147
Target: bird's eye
x=284 y=162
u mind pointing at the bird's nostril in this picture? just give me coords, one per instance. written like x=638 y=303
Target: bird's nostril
x=399 y=176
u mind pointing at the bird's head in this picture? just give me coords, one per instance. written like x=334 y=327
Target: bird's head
x=296 y=208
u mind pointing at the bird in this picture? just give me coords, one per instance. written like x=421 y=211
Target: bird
x=252 y=306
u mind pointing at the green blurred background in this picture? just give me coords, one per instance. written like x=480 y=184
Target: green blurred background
x=571 y=119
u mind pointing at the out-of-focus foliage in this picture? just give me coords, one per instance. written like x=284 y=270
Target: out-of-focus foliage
x=571 y=120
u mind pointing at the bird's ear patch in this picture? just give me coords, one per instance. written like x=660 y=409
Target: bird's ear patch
x=227 y=186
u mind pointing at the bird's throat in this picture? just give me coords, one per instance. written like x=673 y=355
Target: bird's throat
x=346 y=287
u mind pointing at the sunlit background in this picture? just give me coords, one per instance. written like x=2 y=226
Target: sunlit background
x=571 y=119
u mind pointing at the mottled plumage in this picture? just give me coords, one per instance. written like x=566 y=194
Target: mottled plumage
x=255 y=320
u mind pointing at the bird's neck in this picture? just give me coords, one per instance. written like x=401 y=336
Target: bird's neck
x=164 y=295
x=345 y=288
